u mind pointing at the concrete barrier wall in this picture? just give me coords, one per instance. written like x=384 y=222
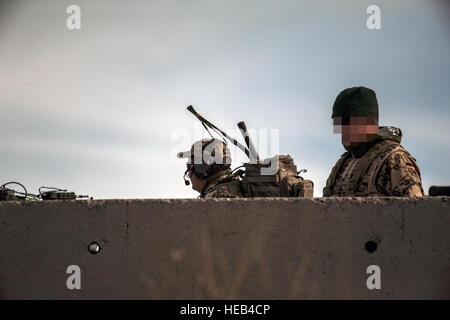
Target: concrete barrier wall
x=226 y=249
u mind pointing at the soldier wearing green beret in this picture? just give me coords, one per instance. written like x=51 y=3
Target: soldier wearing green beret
x=208 y=169
x=375 y=163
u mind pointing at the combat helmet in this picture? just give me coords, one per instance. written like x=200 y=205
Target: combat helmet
x=206 y=155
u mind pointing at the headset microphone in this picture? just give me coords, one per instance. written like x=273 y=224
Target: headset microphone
x=186 y=182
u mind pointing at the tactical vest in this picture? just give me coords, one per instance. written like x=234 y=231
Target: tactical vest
x=363 y=181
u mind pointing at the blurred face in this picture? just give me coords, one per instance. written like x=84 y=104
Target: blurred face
x=355 y=129
x=197 y=183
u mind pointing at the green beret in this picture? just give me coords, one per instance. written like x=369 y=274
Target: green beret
x=356 y=102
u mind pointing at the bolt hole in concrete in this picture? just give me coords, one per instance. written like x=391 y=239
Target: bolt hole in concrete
x=371 y=246
x=94 y=248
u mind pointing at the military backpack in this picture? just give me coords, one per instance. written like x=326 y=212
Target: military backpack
x=261 y=180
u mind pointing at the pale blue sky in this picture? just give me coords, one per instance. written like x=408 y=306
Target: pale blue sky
x=95 y=110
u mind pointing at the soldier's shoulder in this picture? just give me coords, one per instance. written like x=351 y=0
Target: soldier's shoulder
x=401 y=157
x=403 y=174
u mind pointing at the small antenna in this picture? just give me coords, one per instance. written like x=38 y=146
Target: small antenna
x=248 y=141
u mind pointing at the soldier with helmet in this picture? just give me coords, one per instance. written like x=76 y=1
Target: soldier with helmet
x=375 y=163
x=208 y=169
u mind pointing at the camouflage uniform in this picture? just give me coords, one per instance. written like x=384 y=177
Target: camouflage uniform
x=222 y=185
x=385 y=169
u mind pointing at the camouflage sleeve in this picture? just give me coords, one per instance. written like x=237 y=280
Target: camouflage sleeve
x=399 y=176
x=226 y=190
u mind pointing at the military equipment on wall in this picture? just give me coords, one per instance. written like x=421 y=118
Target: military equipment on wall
x=272 y=177
x=56 y=194
x=59 y=194
x=439 y=191
x=7 y=194
x=49 y=193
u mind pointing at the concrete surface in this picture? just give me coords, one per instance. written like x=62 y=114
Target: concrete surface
x=226 y=249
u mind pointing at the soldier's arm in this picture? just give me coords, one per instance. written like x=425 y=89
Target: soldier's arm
x=399 y=176
x=223 y=191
